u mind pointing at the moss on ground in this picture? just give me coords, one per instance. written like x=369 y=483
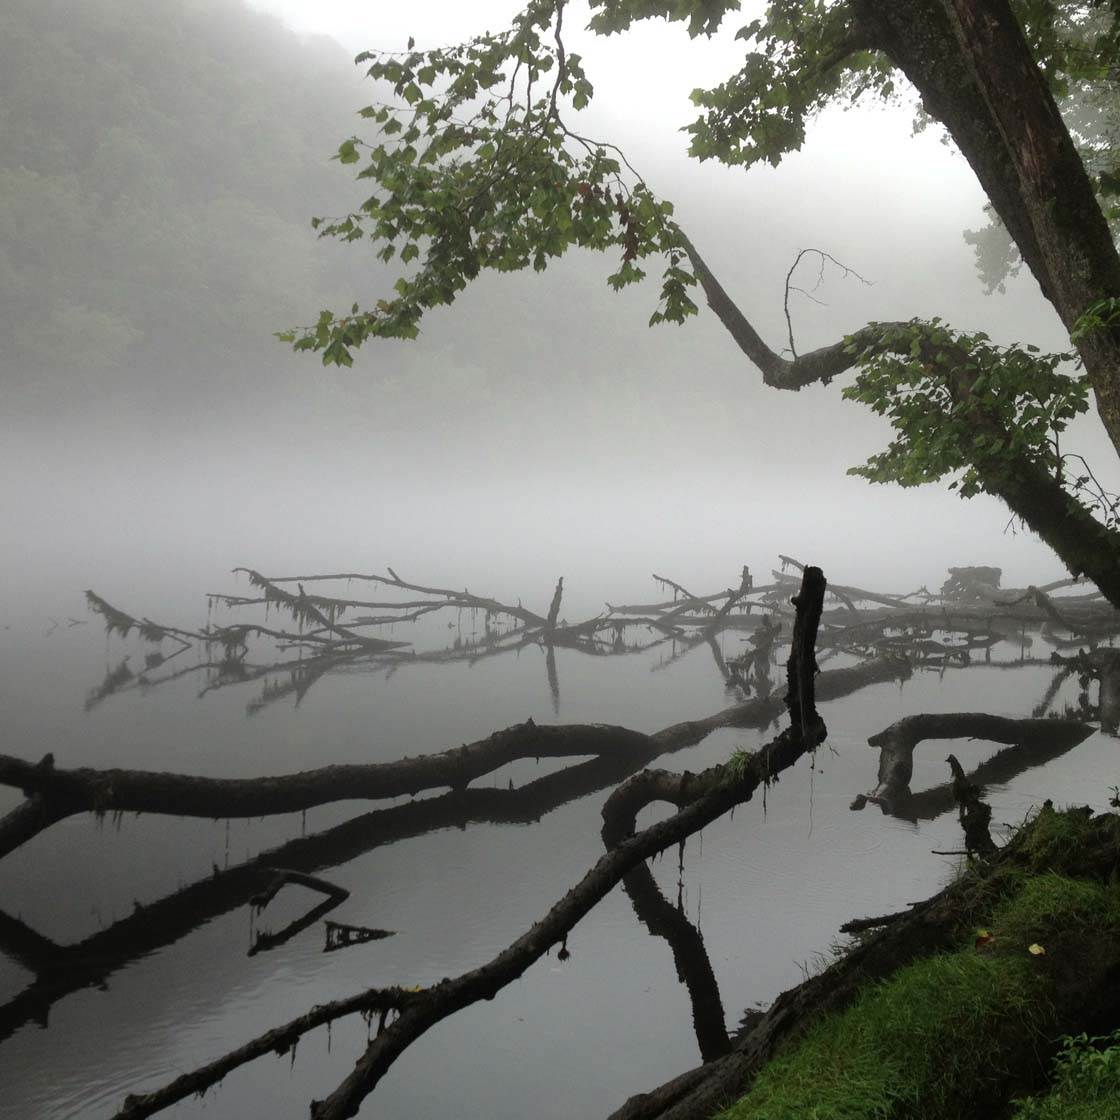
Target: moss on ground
x=959 y=1033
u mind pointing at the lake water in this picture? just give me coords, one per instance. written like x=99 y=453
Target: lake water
x=767 y=887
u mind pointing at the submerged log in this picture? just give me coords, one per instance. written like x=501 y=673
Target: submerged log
x=701 y=799
x=54 y=794
x=896 y=744
x=618 y=748
x=91 y=962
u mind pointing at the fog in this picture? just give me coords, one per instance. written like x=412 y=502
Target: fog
x=155 y=433
x=160 y=162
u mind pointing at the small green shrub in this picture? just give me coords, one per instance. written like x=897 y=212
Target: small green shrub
x=1086 y=1083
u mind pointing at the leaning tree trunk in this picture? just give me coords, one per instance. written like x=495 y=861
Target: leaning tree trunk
x=975 y=73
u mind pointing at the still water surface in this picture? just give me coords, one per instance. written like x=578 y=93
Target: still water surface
x=767 y=888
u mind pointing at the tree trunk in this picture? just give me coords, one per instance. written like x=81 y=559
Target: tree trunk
x=975 y=73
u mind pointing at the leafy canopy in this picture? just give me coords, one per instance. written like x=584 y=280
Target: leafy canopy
x=476 y=167
x=927 y=379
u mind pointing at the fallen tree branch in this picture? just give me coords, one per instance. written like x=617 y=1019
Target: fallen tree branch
x=55 y=794
x=896 y=744
x=928 y=927
x=702 y=798
x=90 y=962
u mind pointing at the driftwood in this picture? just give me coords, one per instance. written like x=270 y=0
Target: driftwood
x=700 y=798
x=914 y=630
x=334 y=632
x=66 y=969
x=61 y=793
x=896 y=745
x=54 y=794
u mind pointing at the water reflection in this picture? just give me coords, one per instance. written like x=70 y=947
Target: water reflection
x=694 y=969
x=289 y=660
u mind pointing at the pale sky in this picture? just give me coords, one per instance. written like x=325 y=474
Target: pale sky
x=654 y=63
x=643 y=79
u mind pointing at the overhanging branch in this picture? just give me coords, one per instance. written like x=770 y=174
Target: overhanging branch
x=820 y=365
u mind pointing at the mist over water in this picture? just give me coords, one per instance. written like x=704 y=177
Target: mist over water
x=154 y=435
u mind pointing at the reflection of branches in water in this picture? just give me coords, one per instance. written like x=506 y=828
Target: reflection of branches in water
x=60 y=970
x=1033 y=742
x=1042 y=708
x=89 y=963
x=264 y=940
x=699 y=799
x=694 y=968
x=115 y=679
x=320 y=631
x=332 y=642
x=330 y=631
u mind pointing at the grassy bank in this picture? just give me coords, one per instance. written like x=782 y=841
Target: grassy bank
x=964 y=1033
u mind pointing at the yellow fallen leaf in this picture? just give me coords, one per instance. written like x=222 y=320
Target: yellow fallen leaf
x=1036 y=950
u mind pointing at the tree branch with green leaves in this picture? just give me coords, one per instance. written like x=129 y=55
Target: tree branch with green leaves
x=476 y=168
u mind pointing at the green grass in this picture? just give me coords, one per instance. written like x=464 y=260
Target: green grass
x=1086 y=1083
x=1049 y=902
x=932 y=1038
x=1052 y=839
x=911 y=1042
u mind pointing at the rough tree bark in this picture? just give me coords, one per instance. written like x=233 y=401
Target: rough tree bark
x=1078 y=262
x=54 y=793
x=65 y=969
x=973 y=68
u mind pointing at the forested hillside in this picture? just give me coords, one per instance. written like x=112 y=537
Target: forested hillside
x=155 y=171
x=160 y=161
x=159 y=166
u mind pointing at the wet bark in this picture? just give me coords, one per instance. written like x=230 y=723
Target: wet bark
x=700 y=798
x=1086 y=993
x=897 y=743
x=89 y=963
x=54 y=794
